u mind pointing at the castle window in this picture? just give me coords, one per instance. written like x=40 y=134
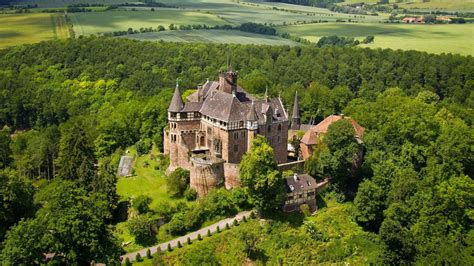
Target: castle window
x=236 y=135
x=209 y=130
x=269 y=128
x=183 y=115
x=242 y=134
x=279 y=139
x=191 y=115
x=279 y=127
x=241 y=123
x=236 y=148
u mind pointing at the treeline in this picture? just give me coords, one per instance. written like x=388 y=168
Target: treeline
x=317 y=3
x=342 y=41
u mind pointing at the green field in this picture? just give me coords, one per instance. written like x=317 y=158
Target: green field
x=18 y=29
x=452 y=38
x=101 y=22
x=211 y=36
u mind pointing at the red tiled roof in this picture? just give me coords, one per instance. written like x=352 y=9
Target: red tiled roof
x=311 y=135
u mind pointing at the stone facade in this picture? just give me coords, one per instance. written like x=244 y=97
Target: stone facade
x=210 y=132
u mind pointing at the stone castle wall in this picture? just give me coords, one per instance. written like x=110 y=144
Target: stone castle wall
x=232 y=175
x=205 y=176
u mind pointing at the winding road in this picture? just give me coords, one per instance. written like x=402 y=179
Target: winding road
x=192 y=236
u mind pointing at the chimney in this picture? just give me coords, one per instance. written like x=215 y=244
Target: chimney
x=228 y=81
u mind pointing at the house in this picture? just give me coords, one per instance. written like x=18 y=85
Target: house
x=443 y=19
x=312 y=136
x=301 y=189
x=413 y=20
x=210 y=132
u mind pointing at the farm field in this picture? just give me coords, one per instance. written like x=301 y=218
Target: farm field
x=211 y=36
x=101 y=22
x=430 y=38
x=18 y=29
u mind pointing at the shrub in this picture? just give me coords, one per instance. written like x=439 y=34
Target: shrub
x=235 y=222
x=218 y=229
x=142 y=204
x=179 y=244
x=177 y=182
x=140 y=228
x=148 y=253
x=143 y=146
x=189 y=241
x=190 y=194
x=138 y=257
x=244 y=219
x=127 y=262
x=199 y=237
x=304 y=208
x=169 y=247
x=252 y=215
x=208 y=232
x=227 y=226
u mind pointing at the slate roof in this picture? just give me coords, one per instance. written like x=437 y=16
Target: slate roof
x=176 y=104
x=311 y=135
x=232 y=107
x=303 y=182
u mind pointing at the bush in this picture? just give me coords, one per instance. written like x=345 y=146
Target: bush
x=142 y=204
x=177 y=182
x=138 y=257
x=218 y=229
x=208 y=232
x=235 y=222
x=304 y=208
x=140 y=228
x=127 y=262
x=169 y=247
x=143 y=146
x=190 y=194
x=179 y=244
x=188 y=241
x=227 y=226
x=199 y=237
x=252 y=215
x=148 y=253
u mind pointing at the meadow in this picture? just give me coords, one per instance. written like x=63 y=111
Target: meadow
x=18 y=29
x=101 y=22
x=212 y=36
x=430 y=38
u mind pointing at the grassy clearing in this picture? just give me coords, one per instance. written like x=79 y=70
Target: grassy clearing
x=430 y=38
x=101 y=22
x=18 y=29
x=212 y=36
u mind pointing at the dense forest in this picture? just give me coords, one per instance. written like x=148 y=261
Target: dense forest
x=66 y=107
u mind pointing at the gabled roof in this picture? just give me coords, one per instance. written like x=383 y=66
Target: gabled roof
x=311 y=135
x=300 y=183
x=176 y=104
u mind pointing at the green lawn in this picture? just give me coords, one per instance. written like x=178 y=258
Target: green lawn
x=212 y=36
x=101 y=22
x=18 y=29
x=430 y=38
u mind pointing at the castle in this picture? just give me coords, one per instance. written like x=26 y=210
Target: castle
x=210 y=132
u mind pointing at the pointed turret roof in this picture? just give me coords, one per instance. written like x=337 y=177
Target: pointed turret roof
x=252 y=115
x=176 y=104
x=296 y=107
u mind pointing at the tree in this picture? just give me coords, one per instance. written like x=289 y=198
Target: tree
x=76 y=156
x=16 y=200
x=177 y=182
x=340 y=158
x=142 y=204
x=5 y=150
x=105 y=181
x=259 y=174
x=69 y=215
x=140 y=228
x=369 y=204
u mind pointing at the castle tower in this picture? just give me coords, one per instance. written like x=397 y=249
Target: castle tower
x=173 y=136
x=228 y=81
x=295 y=117
x=252 y=125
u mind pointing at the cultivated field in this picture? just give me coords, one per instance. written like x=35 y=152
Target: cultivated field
x=211 y=36
x=18 y=29
x=430 y=38
x=101 y=22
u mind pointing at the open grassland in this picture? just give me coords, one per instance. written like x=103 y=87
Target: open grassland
x=101 y=22
x=18 y=29
x=430 y=38
x=211 y=36
x=64 y=3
